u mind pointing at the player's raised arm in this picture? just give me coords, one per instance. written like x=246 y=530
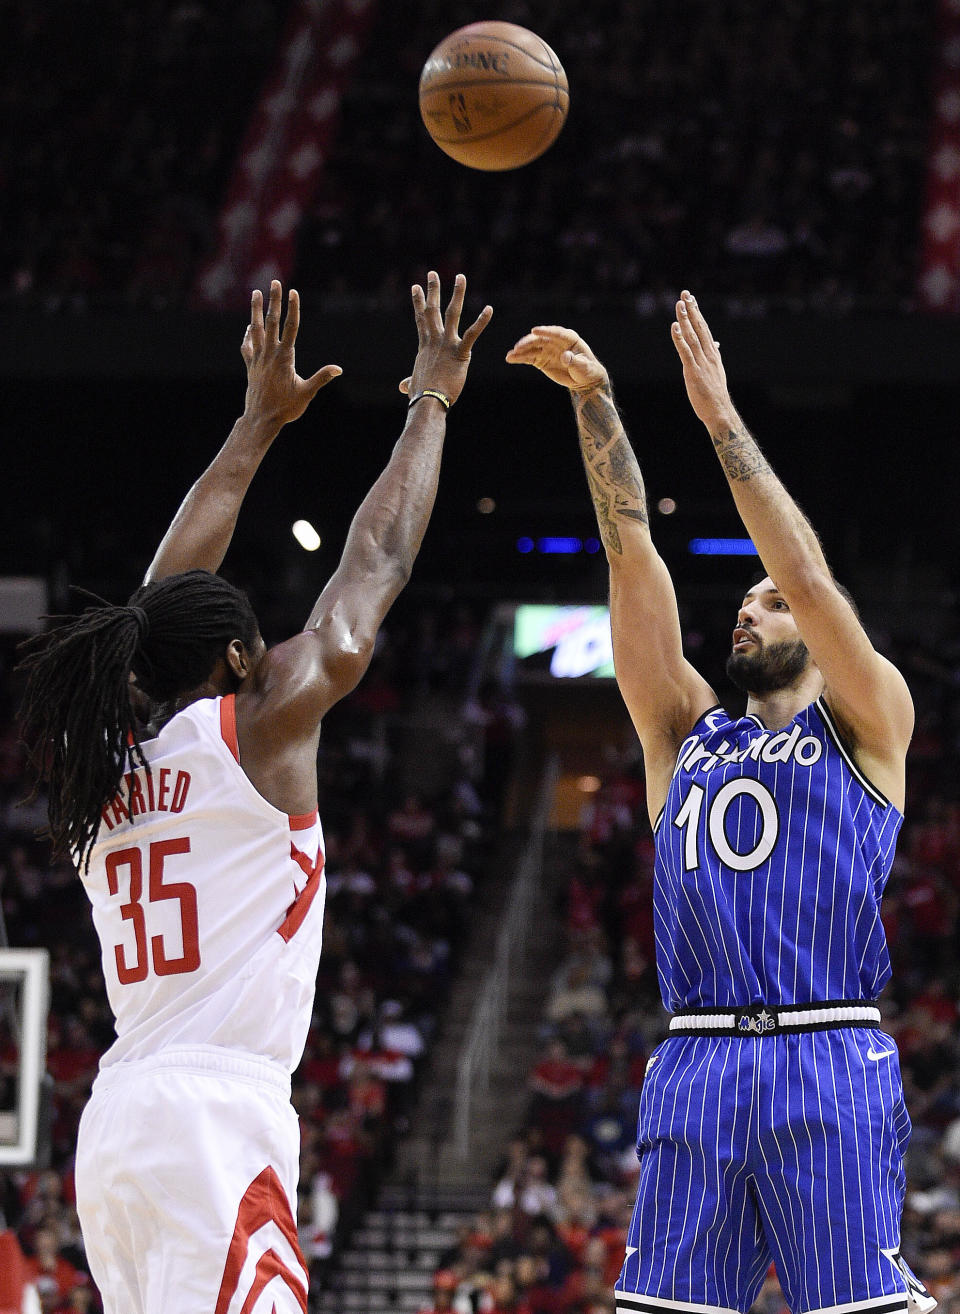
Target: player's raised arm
x=303 y=677
x=202 y=529
x=865 y=692
x=663 y=692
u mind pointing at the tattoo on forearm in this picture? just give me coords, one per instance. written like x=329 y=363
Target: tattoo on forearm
x=625 y=473
x=739 y=454
x=613 y=474
x=594 y=415
x=601 y=505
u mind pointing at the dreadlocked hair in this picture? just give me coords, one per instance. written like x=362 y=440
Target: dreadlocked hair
x=78 y=711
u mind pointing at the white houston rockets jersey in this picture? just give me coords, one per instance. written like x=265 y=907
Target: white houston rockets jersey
x=772 y=852
x=208 y=900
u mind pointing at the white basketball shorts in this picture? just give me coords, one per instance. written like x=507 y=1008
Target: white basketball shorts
x=187 y=1168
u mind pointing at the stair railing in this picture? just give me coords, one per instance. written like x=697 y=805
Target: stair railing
x=482 y=1036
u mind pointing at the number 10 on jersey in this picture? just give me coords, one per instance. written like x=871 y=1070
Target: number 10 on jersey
x=688 y=820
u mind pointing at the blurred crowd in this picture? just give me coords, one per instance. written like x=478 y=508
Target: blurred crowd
x=119 y=129
x=404 y=868
x=552 y=1240
x=774 y=153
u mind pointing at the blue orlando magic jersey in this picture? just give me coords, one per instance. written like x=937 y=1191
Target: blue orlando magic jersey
x=772 y=852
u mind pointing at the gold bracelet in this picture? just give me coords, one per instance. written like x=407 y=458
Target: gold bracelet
x=441 y=397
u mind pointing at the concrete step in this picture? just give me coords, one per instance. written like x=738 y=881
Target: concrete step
x=446 y=1205
x=339 y=1302
x=444 y=1208
x=400 y=1280
x=397 y=1217
x=333 y=1301
x=405 y=1238
x=408 y=1256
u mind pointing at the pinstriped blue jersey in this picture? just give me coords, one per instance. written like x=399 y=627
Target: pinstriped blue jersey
x=772 y=852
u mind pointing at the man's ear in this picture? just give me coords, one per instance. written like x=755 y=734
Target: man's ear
x=237 y=657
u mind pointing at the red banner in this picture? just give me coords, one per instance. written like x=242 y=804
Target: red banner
x=280 y=163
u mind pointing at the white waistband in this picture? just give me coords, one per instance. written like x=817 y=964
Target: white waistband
x=202 y=1059
x=786 y=1017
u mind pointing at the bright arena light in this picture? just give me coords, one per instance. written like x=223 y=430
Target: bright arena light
x=666 y=506
x=306 y=535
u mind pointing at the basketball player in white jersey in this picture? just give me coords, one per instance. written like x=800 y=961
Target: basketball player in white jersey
x=199 y=844
x=772 y=1123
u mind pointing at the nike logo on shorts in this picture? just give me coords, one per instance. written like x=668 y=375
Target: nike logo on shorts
x=879 y=1053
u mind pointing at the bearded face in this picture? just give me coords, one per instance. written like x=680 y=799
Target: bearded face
x=762 y=668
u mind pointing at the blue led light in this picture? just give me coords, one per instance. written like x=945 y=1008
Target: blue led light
x=722 y=547
x=559 y=543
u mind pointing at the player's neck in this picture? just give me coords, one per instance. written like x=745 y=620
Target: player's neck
x=778 y=708
x=164 y=712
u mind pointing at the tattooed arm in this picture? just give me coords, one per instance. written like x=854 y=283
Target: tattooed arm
x=867 y=693
x=663 y=692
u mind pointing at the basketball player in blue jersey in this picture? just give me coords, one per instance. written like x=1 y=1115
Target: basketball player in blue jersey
x=772 y=1122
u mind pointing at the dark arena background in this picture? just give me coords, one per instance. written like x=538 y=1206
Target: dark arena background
x=487 y=996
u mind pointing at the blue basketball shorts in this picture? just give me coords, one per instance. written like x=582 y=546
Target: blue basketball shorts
x=784 y=1147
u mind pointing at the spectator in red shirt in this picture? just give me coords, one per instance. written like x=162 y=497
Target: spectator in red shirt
x=556 y=1085
x=444 y=1287
x=53 y=1276
x=367 y=1094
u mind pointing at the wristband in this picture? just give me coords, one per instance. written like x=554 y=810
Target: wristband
x=441 y=397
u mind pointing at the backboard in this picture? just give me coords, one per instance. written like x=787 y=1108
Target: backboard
x=24 y=1004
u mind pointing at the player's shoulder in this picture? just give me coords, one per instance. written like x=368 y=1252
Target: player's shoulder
x=716 y=718
x=716 y=721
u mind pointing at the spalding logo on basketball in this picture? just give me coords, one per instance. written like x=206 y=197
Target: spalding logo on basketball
x=493 y=96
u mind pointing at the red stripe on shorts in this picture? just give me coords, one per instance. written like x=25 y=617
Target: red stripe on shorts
x=269 y=1267
x=264 y=1201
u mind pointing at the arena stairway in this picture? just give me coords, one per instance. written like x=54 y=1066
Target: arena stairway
x=438 y=1183
x=393 y=1254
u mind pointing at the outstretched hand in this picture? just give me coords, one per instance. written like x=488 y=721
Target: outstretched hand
x=443 y=357
x=275 y=391
x=562 y=356
x=703 y=371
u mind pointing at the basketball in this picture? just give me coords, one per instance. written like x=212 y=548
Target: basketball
x=493 y=96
